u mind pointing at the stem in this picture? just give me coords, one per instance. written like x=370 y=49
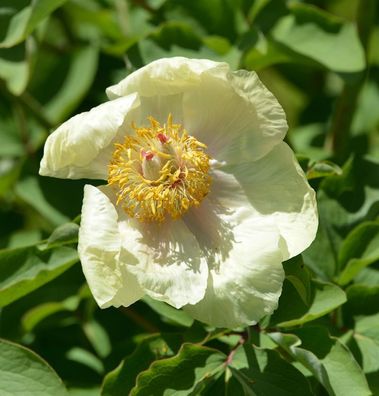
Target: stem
x=365 y=20
x=340 y=130
x=253 y=333
x=28 y=102
x=36 y=108
x=143 y=4
x=22 y=126
x=122 y=12
x=139 y=320
x=230 y=356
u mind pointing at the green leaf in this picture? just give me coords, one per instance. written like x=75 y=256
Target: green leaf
x=150 y=51
x=23 y=270
x=263 y=372
x=366 y=335
x=93 y=391
x=328 y=238
x=25 y=20
x=357 y=189
x=265 y=53
x=361 y=300
x=323 y=169
x=299 y=276
x=215 y=16
x=24 y=238
x=75 y=85
x=37 y=314
x=261 y=51
x=85 y=358
x=16 y=66
x=176 y=33
x=264 y=13
x=66 y=233
x=303 y=138
x=343 y=202
x=11 y=145
x=24 y=372
x=218 y=44
x=93 y=22
x=29 y=190
x=361 y=242
x=358 y=250
x=256 y=8
x=173 y=315
x=189 y=372
x=331 y=363
x=9 y=173
x=320 y=36
x=365 y=120
x=98 y=338
x=292 y=311
x=121 y=380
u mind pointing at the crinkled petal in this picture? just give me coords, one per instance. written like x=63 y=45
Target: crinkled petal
x=167 y=76
x=82 y=146
x=235 y=116
x=277 y=189
x=167 y=260
x=99 y=247
x=233 y=113
x=243 y=254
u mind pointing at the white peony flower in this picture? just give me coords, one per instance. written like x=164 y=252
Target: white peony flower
x=203 y=199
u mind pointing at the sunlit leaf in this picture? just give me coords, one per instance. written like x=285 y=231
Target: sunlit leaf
x=23 y=270
x=123 y=378
x=190 y=371
x=292 y=311
x=358 y=250
x=24 y=372
x=264 y=372
x=322 y=37
x=23 y=22
x=98 y=337
x=86 y=358
x=331 y=363
x=173 y=315
x=323 y=169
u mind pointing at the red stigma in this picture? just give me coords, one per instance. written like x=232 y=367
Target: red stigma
x=148 y=155
x=162 y=137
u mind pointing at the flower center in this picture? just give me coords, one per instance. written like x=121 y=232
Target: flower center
x=159 y=171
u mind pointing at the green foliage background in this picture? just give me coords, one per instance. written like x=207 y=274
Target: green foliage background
x=321 y=59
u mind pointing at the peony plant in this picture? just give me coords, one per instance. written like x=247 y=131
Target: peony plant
x=202 y=200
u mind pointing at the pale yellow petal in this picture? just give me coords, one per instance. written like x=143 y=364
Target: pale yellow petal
x=277 y=189
x=243 y=254
x=167 y=260
x=103 y=262
x=82 y=146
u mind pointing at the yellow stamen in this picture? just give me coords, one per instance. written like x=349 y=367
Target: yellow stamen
x=160 y=171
